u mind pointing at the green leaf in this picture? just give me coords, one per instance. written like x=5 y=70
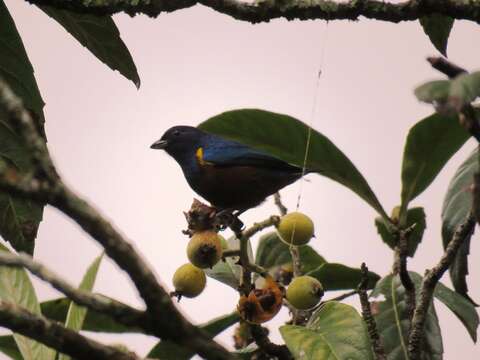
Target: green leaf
x=286 y=138
x=430 y=144
x=340 y=277
x=414 y=216
x=76 y=314
x=168 y=350
x=391 y=316
x=100 y=35
x=16 y=288
x=57 y=309
x=456 y=207
x=438 y=27
x=272 y=252
x=15 y=67
x=436 y=91
x=9 y=347
x=461 y=307
x=464 y=89
x=19 y=218
x=335 y=332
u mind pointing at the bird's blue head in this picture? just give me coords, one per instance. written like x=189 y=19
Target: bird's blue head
x=180 y=142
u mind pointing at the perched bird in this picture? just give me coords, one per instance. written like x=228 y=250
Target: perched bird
x=230 y=175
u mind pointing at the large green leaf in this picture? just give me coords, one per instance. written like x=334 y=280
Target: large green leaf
x=391 y=316
x=272 y=252
x=9 y=347
x=415 y=216
x=100 y=35
x=76 y=314
x=457 y=204
x=168 y=350
x=57 y=309
x=341 y=277
x=430 y=144
x=438 y=27
x=19 y=219
x=461 y=307
x=335 y=332
x=16 y=288
x=286 y=138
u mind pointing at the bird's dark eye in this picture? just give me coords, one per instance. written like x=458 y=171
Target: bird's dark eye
x=176 y=133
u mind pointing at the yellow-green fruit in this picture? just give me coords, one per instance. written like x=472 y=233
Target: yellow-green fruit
x=189 y=280
x=204 y=249
x=295 y=228
x=304 y=292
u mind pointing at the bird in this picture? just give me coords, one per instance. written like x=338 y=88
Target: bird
x=230 y=175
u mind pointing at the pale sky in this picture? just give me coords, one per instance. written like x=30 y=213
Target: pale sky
x=196 y=63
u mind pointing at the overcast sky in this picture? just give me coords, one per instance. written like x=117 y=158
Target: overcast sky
x=196 y=63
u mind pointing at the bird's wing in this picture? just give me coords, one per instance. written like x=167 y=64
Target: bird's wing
x=230 y=153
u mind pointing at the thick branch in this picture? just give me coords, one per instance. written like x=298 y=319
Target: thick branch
x=368 y=317
x=400 y=268
x=120 y=312
x=169 y=322
x=428 y=286
x=260 y=335
x=56 y=336
x=264 y=11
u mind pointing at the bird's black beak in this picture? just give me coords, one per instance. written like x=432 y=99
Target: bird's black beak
x=159 y=144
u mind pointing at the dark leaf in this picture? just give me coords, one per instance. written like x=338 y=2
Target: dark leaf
x=414 y=216
x=392 y=320
x=456 y=207
x=100 y=35
x=340 y=277
x=168 y=350
x=19 y=219
x=9 y=347
x=438 y=27
x=430 y=144
x=272 y=252
x=286 y=137
x=57 y=310
x=461 y=307
x=335 y=332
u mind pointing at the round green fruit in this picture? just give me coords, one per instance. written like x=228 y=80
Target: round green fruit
x=295 y=229
x=189 y=280
x=304 y=292
x=204 y=249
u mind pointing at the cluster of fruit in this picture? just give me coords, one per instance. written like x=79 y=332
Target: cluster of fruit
x=205 y=249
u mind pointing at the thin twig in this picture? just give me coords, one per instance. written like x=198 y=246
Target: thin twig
x=342 y=296
x=368 y=317
x=247 y=266
x=446 y=67
x=401 y=253
x=56 y=336
x=429 y=282
x=278 y=202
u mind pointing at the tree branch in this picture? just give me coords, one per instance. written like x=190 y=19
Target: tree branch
x=428 y=286
x=169 y=322
x=56 y=336
x=120 y=312
x=368 y=317
x=260 y=336
x=264 y=11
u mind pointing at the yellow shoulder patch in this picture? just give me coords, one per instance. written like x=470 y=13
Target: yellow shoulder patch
x=199 y=156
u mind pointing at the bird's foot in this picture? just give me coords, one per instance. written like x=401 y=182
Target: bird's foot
x=227 y=218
